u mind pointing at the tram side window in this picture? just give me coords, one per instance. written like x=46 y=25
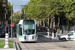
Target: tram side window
x=20 y=30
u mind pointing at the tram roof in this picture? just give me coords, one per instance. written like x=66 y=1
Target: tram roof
x=21 y=21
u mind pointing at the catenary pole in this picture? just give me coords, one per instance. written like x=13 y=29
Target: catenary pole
x=11 y=16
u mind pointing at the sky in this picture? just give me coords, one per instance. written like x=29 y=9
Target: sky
x=17 y=4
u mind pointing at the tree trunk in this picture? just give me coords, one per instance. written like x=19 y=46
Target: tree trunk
x=40 y=23
x=48 y=21
x=43 y=23
x=51 y=23
x=58 y=21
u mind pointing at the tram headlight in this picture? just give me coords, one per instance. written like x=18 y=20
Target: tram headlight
x=32 y=37
x=25 y=37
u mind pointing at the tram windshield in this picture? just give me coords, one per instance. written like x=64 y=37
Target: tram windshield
x=29 y=27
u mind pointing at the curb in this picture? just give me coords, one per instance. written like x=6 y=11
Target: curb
x=8 y=49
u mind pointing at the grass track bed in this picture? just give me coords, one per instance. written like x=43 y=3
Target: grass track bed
x=2 y=44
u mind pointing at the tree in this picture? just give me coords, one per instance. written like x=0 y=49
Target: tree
x=17 y=17
x=56 y=8
x=2 y=11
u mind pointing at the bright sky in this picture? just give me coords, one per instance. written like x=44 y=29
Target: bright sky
x=17 y=4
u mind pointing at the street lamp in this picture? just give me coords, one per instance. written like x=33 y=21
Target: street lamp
x=11 y=15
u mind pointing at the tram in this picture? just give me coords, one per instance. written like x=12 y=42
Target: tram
x=27 y=31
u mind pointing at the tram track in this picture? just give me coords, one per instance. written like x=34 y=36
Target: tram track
x=42 y=41
x=38 y=46
x=33 y=47
x=29 y=46
x=41 y=46
x=26 y=46
x=16 y=46
x=19 y=46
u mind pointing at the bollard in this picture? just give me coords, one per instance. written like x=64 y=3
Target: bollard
x=56 y=34
x=52 y=34
x=6 y=41
x=48 y=33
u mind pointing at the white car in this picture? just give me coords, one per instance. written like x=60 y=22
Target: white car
x=69 y=36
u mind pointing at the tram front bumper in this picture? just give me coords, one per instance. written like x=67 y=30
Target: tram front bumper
x=27 y=39
x=31 y=39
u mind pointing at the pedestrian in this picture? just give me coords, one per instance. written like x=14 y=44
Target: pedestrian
x=54 y=30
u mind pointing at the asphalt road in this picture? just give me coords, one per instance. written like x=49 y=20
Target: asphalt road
x=44 y=43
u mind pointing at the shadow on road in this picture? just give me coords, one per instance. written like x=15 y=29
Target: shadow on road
x=47 y=40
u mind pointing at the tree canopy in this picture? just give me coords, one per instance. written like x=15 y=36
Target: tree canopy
x=39 y=9
x=17 y=17
x=2 y=11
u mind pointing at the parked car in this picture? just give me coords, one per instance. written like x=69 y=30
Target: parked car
x=68 y=36
x=2 y=32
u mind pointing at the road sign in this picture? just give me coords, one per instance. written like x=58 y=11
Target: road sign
x=11 y=25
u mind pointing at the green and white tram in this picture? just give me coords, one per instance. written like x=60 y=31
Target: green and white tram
x=26 y=31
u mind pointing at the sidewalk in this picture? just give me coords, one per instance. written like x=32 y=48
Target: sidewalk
x=8 y=49
x=45 y=34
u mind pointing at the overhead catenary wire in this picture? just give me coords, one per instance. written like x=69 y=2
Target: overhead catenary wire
x=29 y=5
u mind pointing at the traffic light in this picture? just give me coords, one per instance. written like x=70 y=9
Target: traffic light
x=5 y=3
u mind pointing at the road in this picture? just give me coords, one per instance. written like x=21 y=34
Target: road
x=44 y=43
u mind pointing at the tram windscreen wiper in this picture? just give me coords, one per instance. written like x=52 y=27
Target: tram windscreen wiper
x=29 y=31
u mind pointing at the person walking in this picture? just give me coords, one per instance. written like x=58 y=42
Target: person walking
x=54 y=30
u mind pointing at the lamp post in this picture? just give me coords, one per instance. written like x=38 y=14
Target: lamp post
x=11 y=15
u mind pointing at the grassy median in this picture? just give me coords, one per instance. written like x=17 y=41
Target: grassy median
x=2 y=44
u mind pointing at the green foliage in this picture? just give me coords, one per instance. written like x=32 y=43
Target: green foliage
x=17 y=17
x=68 y=8
x=2 y=11
x=2 y=44
x=60 y=8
